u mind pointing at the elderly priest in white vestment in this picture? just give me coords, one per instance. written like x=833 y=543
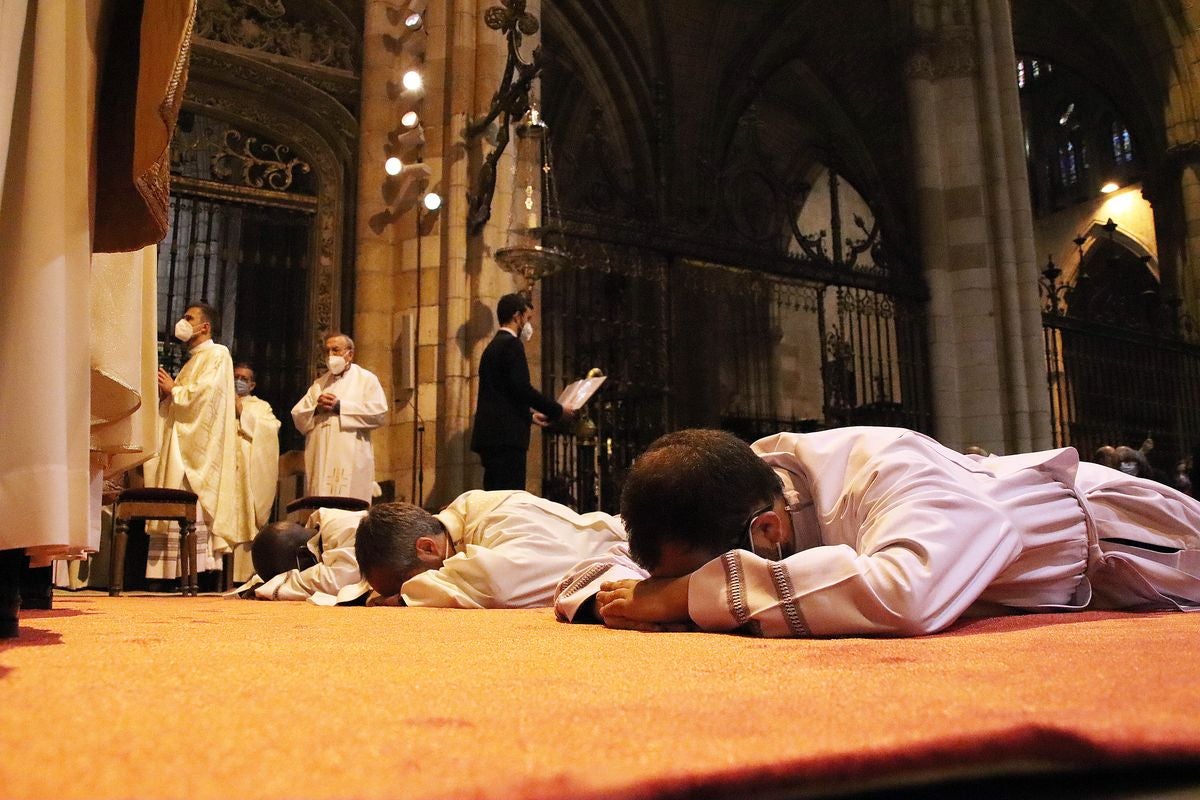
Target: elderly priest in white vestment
x=336 y=416
x=499 y=549
x=879 y=531
x=198 y=450
x=257 y=460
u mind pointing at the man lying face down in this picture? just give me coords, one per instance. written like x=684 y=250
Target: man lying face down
x=879 y=531
x=314 y=562
x=499 y=549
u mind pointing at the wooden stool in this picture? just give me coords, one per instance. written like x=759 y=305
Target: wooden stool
x=148 y=504
x=298 y=509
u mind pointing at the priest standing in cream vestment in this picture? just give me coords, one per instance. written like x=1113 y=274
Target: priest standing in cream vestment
x=336 y=416
x=257 y=461
x=198 y=450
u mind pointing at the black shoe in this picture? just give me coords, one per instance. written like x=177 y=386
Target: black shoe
x=12 y=565
x=37 y=588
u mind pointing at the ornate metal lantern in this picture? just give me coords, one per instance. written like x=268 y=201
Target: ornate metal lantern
x=532 y=249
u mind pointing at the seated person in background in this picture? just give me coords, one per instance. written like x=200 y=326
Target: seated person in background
x=314 y=562
x=879 y=531
x=500 y=549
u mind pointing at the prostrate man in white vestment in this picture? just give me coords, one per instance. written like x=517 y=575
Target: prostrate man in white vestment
x=879 y=531
x=257 y=461
x=336 y=416
x=198 y=450
x=501 y=549
x=313 y=562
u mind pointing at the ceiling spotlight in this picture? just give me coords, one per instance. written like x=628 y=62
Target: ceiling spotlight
x=410 y=119
x=414 y=21
x=433 y=201
x=393 y=166
x=1109 y=187
x=412 y=81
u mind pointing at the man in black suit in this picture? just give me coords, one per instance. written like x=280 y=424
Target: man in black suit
x=507 y=401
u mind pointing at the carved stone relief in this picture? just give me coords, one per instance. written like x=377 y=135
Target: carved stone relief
x=309 y=145
x=262 y=25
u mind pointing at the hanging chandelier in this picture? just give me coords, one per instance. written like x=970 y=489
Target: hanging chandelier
x=533 y=247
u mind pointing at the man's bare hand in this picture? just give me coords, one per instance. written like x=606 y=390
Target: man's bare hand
x=165 y=382
x=541 y=420
x=326 y=402
x=655 y=604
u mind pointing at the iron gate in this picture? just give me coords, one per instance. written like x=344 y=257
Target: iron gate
x=690 y=344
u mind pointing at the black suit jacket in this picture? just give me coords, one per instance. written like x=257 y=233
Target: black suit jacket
x=502 y=416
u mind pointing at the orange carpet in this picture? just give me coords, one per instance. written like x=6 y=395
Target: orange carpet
x=159 y=696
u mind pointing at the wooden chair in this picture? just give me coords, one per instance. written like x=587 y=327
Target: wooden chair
x=152 y=504
x=299 y=509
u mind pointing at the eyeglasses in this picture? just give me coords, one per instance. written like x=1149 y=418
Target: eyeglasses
x=750 y=522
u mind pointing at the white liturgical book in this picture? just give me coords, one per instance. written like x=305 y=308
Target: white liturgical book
x=579 y=392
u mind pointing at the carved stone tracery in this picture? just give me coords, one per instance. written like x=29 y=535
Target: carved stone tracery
x=205 y=149
x=330 y=191
x=261 y=25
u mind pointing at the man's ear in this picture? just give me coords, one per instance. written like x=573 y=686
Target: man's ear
x=427 y=549
x=770 y=526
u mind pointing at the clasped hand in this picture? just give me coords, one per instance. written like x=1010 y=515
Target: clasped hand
x=654 y=604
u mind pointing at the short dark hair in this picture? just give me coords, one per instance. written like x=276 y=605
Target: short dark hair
x=695 y=487
x=387 y=538
x=211 y=315
x=510 y=305
x=280 y=547
x=246 y=365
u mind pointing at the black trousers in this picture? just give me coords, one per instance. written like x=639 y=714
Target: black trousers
x=503 y=468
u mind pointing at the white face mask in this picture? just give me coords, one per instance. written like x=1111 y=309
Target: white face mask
x=336 y=364
x=1129 y=467
x=184 y=331
x=527 y=332
x=241 y=386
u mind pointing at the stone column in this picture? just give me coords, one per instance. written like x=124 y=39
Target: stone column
x=976 y=228
x=375 y=250
x=1189 y=282
x=1028 y=410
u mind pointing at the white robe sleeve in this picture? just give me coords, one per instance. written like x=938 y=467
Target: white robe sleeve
x=337 y=570
x=260 y=428
x=305 y=411
x=583 y=582
x=366 y=409
x=927 y=548
x=203 y=386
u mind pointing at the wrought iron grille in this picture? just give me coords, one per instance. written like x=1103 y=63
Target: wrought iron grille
x=691 y=344
x=1122 y=361
x=1112 y=386
x=608 y=311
